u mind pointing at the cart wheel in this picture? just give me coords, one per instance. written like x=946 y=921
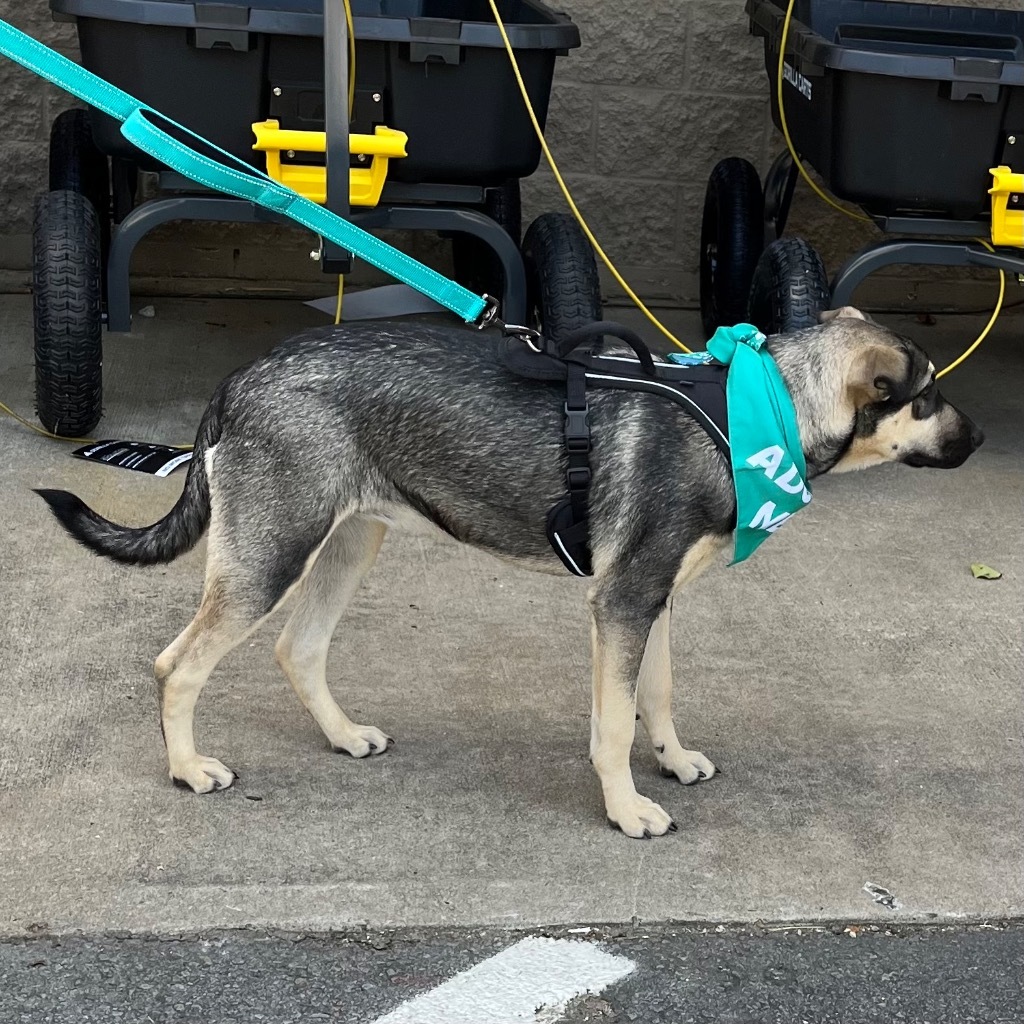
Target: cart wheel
x=76 y=165
x=731 y=240
x=67 y=314
x=563 y=287
x=790 y=287
x=475 y=265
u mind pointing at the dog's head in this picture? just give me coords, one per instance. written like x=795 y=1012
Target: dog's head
x=867 y=395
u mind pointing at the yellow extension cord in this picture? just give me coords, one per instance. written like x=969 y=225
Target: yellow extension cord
x=783 y=123
x=579 y=216
x=565 y=189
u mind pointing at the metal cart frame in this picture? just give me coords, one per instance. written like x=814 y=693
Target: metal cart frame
x=923 y=251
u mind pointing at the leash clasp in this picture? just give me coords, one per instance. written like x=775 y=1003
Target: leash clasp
x=527 y=335
x=490 y=318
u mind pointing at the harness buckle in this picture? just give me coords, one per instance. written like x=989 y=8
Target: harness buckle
x=577 y=429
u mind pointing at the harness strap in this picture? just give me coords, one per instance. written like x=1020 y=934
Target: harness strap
x=577 y=441
x=568 y=523
x=245 y=183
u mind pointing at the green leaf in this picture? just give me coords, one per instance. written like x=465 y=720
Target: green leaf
x=985 y=572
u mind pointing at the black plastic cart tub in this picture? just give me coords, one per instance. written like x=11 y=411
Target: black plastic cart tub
x=904 y=109
x=435 y=69
x=901 y=107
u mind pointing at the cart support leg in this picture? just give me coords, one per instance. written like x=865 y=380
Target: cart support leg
x=779 y=183
x=934 y=254
x=470 y=222
x=143 y=219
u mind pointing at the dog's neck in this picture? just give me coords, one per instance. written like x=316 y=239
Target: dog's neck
x=826 y=426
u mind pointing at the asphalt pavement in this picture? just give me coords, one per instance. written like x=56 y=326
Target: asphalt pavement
x=835 y=974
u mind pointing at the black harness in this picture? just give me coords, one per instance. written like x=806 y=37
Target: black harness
x=700 y=390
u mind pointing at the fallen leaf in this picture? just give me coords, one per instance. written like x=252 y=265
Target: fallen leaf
x=985 y=572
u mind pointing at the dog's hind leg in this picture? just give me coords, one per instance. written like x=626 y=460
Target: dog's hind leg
x=619 y=635
x=251 y=567
x=301 y=651
x=654 y=702
x=224 y=619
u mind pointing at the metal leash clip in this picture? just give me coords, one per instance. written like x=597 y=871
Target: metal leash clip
x=490 y=318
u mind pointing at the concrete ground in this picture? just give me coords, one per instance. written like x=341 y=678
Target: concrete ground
x=859 y=688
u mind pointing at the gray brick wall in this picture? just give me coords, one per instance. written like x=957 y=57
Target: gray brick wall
x=639 y=115
x=30 y=105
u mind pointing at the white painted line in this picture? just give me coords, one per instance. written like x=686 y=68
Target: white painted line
x=532 y=981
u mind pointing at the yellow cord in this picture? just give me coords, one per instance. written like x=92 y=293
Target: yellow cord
x=39 y=430
x=341 y=290
x=565 y=189
x=351 y=58
x=784 y=124
x=72 y=440
x=988 y=327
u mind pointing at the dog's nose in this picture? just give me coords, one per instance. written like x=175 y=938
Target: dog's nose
x=977 y=437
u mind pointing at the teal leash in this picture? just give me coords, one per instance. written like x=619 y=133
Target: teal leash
x=138 y=127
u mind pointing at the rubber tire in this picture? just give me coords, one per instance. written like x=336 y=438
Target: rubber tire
x=475 y=265
x=563 y=286
x=790 y=287
x=77 y=165
x=67 y=313
x=731 y=241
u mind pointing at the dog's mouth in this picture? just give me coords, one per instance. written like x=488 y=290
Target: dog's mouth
x=944 y=461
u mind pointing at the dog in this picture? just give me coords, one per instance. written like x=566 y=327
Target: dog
x=305 y=458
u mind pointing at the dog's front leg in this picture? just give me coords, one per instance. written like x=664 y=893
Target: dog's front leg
x=654 y=702
x=618 y=650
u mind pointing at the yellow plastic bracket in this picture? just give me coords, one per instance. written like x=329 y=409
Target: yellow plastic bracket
x=310 y=180
x=1007 y=194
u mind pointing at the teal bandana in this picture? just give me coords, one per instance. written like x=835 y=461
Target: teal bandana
x=768 y=468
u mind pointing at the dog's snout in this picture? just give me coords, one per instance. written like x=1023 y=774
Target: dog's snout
x=977 y=437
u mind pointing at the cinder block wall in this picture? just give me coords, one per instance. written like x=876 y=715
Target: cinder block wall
x=639 y=116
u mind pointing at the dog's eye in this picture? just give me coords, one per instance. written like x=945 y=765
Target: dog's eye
x=883 y=385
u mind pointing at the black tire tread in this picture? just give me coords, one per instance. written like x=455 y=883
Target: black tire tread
x=790 y=287
x=75 y=164
x=67 y=313
x=733 y=219
x=562 y=277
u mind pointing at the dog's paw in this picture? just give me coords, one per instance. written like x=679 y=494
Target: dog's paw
x=639 y=817
x=202 y=775
x=362 y=741
x=688 y=766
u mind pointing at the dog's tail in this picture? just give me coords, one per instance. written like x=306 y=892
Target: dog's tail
x=179 y=531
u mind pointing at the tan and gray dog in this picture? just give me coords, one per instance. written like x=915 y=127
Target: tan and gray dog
x=304 y=458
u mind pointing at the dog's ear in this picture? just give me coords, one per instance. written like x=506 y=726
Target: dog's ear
x=877 y=373
x=843 y=313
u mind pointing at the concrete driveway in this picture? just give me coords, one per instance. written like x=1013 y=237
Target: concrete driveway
x=859 y=688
